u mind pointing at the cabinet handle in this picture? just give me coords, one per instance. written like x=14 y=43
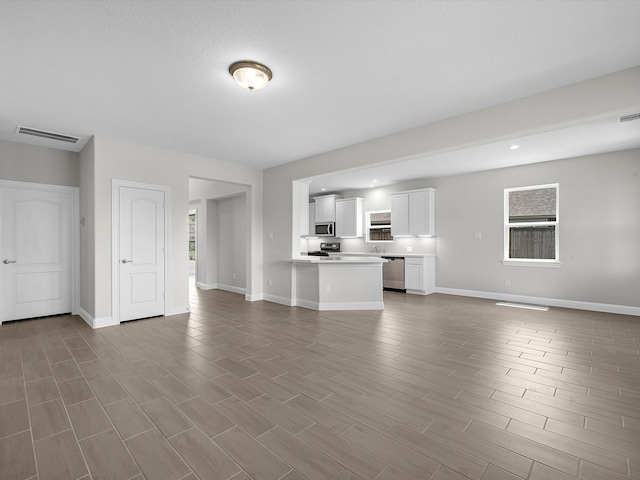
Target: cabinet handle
x=7 y=262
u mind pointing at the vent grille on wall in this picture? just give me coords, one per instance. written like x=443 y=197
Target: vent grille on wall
x=49 y=135
x=629 y=118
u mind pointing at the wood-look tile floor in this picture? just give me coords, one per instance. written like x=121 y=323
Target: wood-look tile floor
x=437 y=387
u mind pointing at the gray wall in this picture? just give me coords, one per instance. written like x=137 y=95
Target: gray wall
x=210 y=244
x=29 y=163
x=231 y=234
x=88 y=230
x=598 y=231
x=599 y=228
x=116 y=159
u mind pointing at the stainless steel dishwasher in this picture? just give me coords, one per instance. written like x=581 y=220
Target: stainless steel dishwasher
x=393 y=274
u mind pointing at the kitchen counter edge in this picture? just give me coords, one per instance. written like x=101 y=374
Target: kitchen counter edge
x=390 y=254
x=337 y=259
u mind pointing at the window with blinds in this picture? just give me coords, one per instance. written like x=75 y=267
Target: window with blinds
x=531 y=223
x=379 y=226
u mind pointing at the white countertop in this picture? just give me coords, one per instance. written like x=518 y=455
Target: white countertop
x=341 y=258
x=381 y=254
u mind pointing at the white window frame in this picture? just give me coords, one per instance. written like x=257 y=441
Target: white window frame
x=368 y=226
x=531 y=262
x=194 y=211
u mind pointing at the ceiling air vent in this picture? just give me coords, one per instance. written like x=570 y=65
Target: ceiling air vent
x=629 y=118
x=44 y=134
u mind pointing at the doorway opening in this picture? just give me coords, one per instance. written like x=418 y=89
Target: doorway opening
x=221 y=235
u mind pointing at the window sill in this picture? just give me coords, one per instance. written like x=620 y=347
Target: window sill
x=532 y=263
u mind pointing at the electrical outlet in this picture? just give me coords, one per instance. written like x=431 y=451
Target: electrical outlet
x=409 y=249
x=235 y=276
x=327 y=288
x=270 y=235
x=270 y=283
x=477 y=235
x=507 y=281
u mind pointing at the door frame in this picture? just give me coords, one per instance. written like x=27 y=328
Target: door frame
x=75 y=233
x=115 y=239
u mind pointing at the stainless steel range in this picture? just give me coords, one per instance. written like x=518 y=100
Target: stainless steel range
x=325 y=249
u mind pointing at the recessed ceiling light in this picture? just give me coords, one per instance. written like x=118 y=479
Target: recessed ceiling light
x=323 y=189
x=250 y=75
x=375 y=181
x=514 y=147
x=371 y=186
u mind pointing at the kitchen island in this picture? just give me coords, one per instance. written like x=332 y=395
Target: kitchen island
x=338 y=282
x=419 y=270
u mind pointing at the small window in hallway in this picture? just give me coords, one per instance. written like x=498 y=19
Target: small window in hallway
x=192 y=235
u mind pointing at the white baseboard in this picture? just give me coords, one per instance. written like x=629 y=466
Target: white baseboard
x=232 y=288
x=420 y=292
x=332 y=306
x=221 y=286
x=177 y=310
x=552 y=302
x=255 y=297
x=327 y=306
x=307 y=304
x=96 y=322
x=229 y=288
x=280 y=300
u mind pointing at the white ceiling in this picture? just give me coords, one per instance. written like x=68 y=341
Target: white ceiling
x=603 y=136
x=155 y=73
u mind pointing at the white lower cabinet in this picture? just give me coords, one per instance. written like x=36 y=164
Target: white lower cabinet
x=420 y=275
x=413 y=274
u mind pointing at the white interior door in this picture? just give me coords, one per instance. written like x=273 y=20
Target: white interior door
x=36 y=252
x=141 y=230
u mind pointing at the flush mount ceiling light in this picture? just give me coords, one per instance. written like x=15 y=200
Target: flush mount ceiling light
x=250 y=75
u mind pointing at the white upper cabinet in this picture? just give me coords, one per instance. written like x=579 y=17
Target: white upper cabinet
x=349 y=217
x=414 y=274
x=400 y=214
x=413 y=213
x=326 y=208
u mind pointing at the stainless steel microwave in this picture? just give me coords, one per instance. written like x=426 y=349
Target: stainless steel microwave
x=325 y=229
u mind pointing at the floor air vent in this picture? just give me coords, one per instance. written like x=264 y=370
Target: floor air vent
x=44 y=134
x=629 y=118
x=543 y=308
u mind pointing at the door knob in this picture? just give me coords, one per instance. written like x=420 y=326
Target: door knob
x=7 y=262
x=124 y=260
